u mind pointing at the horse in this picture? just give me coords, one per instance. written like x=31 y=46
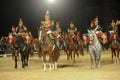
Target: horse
x=49 y=48
x=71 y=47
x=20 y=46
x=3 y=45
x=94 y=49
x=80 y=45
x=115 y=47
x=35 y=47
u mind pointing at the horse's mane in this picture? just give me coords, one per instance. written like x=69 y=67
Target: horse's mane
x=96 y=40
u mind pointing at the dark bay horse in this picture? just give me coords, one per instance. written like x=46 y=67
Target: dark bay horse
x=94 y=49
x=48 y=48
x=20 y=46
x=115 y=48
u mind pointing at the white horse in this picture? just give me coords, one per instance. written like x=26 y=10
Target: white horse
x=94 y=49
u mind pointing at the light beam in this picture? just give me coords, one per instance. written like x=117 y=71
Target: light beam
x=51 y=1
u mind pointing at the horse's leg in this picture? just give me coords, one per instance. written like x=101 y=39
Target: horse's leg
x=13 y=54
x=77 y=52
x=115 y=58
x=74 y=52
x=22 y=60
x=98 y=56
x=44 y=62
x=117 y=54
x=44 y=67
x=55 y=65
x=67 y=53
x=91 y=52
x=71 y=52
x=112 y=55
x=51 y=61
x=27 y=56
x=26 y=59
x=82 y=53
x=15 y=59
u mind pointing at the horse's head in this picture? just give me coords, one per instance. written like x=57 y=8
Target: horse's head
x=35 y=45
x=91 y=35
x=19 y=42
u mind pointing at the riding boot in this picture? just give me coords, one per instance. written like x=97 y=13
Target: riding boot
x=107 y=44
x=56 y=44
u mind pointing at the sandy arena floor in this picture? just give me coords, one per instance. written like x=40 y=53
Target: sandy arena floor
x=80 y=70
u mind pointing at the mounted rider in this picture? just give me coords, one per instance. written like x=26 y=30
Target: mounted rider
x=98 y=30
x=113 y=33
x=72 y=31
x=94 y=26
x=21 y=28
x=48 y=23
x=57 y=35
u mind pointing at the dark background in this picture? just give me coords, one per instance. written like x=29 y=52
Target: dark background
x=79 y=11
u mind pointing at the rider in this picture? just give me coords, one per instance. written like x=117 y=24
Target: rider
x=72 y=31
x=21 y=27
x=94 y=26
x=97 y=26
x=57 y=34
x=113 y=29
x=48 y=24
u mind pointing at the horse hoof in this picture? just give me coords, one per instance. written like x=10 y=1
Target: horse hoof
x=44 y=70
x=92 y=67
x=23 y=66
x=97 y=67
x=15 y=67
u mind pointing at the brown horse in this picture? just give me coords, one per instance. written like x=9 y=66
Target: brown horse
x=35 y=47
x=72 y=47
x=48 y=48
x=115 y=48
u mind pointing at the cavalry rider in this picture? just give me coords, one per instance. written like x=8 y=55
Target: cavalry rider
x=22 y=30
x=113 y=28
x=48 y=24
x=21 y=27
x=95 y=26
x=98 y=28
x=113 y=32
x=85 y=36
x=72 y=31
x=57 y=35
